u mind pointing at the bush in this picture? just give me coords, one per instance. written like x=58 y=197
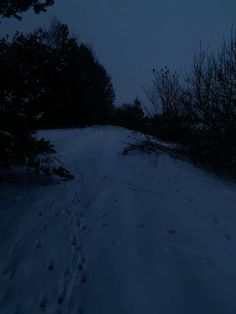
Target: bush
x=19 y=146
x=130 y=116
x=198 y=110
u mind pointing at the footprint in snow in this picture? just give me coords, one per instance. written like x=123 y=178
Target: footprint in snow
x=78 y=248
x=44 y=227
x=35 y=215
x=73 y=240
x=38 y=244
x=104 y=177
x=76 y=198
x=57 y=214
x=170 y=231
x=60 y=299
x=82 y=264
x=50 y=266
x=14 y=247
x=103 y=215
x=83 y=278
x=43 y=305
x=7 y=274
x=67 y=272
x=67 y=211
x=227 y=237
x=104 y=225
x=87 y=205
x=140 y=226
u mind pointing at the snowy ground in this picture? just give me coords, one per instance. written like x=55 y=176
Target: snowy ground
x=135 y=234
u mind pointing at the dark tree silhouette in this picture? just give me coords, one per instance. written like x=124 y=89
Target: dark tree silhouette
x=77 y=89
x=130 y=116
x=55 y=80
x=47 y=79
x=198 y=110
x=14 y=8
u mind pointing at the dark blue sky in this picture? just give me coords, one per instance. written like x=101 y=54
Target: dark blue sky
x=131 y=37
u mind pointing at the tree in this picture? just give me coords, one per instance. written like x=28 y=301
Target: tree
x=165 y=93
x=55 y=80
x=130 y=116
x=198 y=109
x=23 y=69
x=14 y=8
x=78 y=89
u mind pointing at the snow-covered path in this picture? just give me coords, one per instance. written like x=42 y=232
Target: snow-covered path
x=131 y=234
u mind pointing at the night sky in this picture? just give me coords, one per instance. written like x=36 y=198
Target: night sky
x=131 y=37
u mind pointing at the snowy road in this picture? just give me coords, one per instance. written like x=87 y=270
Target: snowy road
x=131 y=234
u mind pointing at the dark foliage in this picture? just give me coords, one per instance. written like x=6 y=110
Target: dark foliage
x=14 y=8
x=17 y=143
x=58 y=81
x=199 y=109
x=130 y=116
x=18 y=146
x=47 y=80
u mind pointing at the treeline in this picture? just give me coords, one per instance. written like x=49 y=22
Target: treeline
x=10 y=8
x=54 y=80
x=198 y=109
x=131 y=116
x=47 y=80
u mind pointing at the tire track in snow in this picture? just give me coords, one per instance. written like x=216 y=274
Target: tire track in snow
x=75 y=274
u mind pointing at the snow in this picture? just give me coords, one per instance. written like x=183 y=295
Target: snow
x=5 y=134
x=130 y=234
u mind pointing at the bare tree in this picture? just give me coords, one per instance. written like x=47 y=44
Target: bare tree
x=212 y=85
x=165 y=93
